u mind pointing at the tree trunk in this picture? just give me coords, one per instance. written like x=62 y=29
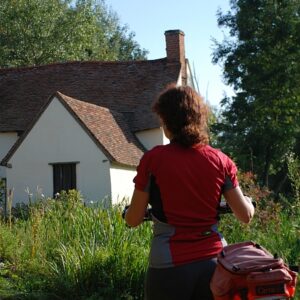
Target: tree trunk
x=267 y=166
x=280 y=184
x=251 y=160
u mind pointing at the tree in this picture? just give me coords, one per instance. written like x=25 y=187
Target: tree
x=35 y=32
x=261 y=60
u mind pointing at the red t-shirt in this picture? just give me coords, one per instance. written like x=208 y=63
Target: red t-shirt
x=185 y=186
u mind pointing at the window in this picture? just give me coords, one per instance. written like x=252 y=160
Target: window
x=64 y=177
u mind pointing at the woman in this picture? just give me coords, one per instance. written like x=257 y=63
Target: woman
x=184 y=181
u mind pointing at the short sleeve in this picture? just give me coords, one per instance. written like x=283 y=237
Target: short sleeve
x=231 y=180
x=142 y=179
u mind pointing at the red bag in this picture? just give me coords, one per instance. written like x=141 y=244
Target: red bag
x=248 y=271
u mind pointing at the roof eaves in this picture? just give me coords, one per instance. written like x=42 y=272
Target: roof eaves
x=120 y=164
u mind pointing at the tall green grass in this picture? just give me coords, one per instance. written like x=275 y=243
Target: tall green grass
x=62 y=249
x=274 y=227
x=277 y=231
x=65 y=250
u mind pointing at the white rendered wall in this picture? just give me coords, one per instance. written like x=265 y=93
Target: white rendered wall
x=122 y=183
x=58 y=138
x=152 y=137
x=179 y=80
x=189 y=76
x=7 y=139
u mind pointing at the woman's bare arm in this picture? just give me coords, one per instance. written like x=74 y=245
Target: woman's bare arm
x=135 y=213
x=241 y=205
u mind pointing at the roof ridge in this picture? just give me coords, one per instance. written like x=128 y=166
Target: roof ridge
x=64 y=97
x=70 y=63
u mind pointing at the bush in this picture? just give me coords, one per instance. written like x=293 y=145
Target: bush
x=74 y=251
x=293 y=164
x=2 y=195
x=66 y=250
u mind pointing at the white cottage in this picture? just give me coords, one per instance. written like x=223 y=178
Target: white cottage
x=93 y=129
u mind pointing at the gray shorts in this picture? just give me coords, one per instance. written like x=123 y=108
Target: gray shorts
x=184 y=282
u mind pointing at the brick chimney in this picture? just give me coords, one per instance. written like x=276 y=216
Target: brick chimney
x=175 y=50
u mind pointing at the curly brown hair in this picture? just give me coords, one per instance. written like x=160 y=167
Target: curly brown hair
x=184 y=114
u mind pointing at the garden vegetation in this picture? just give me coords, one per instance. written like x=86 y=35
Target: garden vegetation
x=64 y=249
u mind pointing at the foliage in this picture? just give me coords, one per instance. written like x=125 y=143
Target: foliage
x=291 y=202
x=293 y=164
x=35 y=32
x=275 y=226
x=66 y=250
x=2 y=193
x=250 y=187
x=74 y=251
x=272 y=228
x=261 y=60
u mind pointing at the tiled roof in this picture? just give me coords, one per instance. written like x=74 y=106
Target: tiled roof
x=126 y=87
x=107 y=128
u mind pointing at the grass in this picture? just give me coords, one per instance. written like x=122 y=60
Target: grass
x=74 y=251
x=65 y=250
x=272 y=228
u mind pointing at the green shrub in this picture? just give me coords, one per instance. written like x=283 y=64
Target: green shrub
x=75 y=251
x=66 y=250
x=293 y=164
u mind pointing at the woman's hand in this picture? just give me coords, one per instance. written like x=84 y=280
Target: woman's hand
x=134 y=215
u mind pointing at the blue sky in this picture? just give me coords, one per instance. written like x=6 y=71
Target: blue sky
x=196 y=18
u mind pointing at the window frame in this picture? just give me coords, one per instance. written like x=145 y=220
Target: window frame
x=64 y=176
